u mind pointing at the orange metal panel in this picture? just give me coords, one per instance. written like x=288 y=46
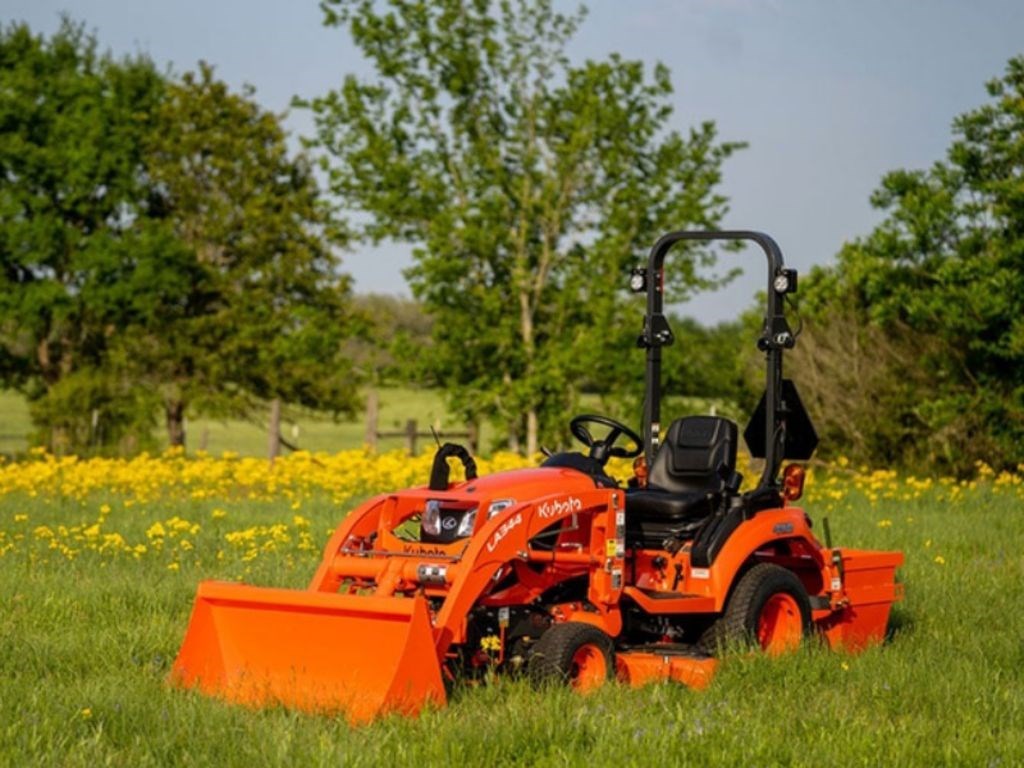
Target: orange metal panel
x=639 y=668
x=361 y=655
x=870 y=589
x=657 y=605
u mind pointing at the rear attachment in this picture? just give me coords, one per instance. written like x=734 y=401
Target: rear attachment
x=316 y=651
x=869 y=580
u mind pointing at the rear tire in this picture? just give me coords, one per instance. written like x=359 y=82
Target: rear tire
x=573 y=653
x=769 y=609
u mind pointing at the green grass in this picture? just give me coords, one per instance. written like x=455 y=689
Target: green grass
x=310 y=431
x=99 y=634
x=15 y=424
x=316 y=432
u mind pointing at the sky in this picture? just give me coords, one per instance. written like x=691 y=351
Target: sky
x=829 y=94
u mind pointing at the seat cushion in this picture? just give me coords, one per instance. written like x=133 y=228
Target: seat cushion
x=691 y=471
x=654 y=504
x=652 y=516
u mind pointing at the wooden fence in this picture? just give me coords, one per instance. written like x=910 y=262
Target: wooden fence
x=411 y=432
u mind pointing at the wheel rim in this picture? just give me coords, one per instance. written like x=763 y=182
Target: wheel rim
x=780 y=625
x=588 y=669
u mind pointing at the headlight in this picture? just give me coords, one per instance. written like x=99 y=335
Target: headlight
x=498 y=506
x=431 y=520
x=466 y=524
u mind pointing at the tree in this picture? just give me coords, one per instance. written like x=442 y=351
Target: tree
x=943 y=278
x=72 y=124
x=394 y=342
x=259 y=311
x=716 y=363
x=527 y=185
x=159 y=246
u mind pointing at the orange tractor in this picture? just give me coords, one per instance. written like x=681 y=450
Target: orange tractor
x=558 y=571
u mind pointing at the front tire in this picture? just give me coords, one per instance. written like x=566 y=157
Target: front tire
x=573 y=653
x=769 y=609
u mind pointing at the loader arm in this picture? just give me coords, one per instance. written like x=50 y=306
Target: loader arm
x=360 y=523
x=506 y=539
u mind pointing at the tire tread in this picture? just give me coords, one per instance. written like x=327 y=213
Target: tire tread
x=737 y=625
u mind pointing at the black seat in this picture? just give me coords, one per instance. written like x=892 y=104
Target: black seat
x=691 y=471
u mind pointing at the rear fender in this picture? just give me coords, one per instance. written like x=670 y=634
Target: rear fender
x=769 y=527
x=609 y=622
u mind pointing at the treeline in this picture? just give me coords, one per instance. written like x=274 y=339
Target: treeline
x=914 y=348
x=164 y=252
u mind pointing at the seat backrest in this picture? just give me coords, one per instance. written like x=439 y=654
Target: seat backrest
x=694 y=449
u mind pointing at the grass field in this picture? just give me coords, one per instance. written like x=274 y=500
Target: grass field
x=310 y=431
x=99 y=562
x=315 y=431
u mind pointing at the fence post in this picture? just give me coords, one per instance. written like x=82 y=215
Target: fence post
x=410 y=436
x=372 y=415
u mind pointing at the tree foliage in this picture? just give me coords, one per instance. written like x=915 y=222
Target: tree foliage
x=72 y=124
x=942 y=280
x=527 y=185
x=261 y=308
x=158 y=245
x=394 y=341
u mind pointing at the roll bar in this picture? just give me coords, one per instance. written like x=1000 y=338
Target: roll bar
x=775 y=337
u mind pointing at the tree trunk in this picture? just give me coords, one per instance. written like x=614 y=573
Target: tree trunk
x=526 y=333
x=175 y=412
x=531 y=432
x=513 y=437
x=274 y=443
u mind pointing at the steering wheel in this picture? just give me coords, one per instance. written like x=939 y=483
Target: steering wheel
x=602 y=450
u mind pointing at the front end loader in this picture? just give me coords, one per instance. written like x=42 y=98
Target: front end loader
x=558 y=572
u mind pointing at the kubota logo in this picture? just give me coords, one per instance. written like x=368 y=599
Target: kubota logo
x=559 y=507
x=413 y=549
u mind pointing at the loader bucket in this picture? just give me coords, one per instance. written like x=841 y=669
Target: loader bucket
x=316 y=651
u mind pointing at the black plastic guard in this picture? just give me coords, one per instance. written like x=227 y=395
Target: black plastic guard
x=801 y=437
x=439 y=471
x=712 y=537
